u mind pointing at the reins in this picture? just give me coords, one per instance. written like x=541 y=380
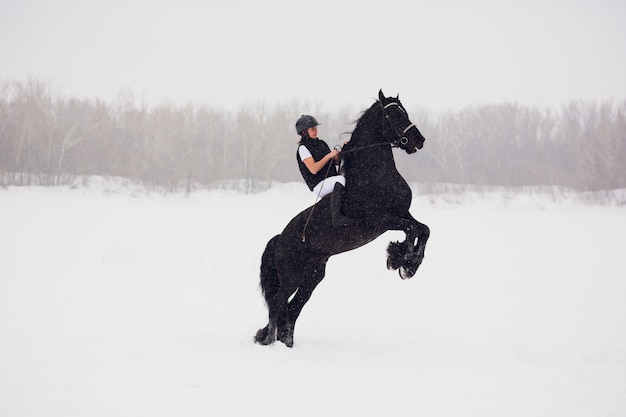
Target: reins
x=316 y=201
x=360 y=148
x=394 y=143
x=400 y=139
x=317 y=198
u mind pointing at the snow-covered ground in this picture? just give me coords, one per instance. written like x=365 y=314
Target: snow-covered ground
x=126 y=303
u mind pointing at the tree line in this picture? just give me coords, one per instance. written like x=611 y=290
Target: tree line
x=50 y=139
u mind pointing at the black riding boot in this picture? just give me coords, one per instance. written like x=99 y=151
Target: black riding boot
x=336 y=199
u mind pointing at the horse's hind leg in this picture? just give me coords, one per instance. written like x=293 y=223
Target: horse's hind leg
x=267 y=335
x=286 y=330
x=261 y=335
x=302 y=295
x=277 y=307
x=273 y=292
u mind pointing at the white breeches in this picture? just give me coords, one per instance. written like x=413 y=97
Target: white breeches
x=328 y=185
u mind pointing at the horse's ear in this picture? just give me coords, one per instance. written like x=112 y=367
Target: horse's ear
x=381 y=96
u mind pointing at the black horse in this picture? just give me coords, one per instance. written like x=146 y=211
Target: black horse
x=376 y=196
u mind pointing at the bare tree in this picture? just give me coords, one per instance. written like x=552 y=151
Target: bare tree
x=48 y=139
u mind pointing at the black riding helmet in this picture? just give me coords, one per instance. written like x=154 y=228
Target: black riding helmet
x=304 y=122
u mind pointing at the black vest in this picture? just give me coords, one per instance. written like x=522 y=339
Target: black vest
x=318 y=149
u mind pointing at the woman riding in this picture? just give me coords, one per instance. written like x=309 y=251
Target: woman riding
x=318 y=165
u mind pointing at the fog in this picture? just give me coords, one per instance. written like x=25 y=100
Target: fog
x=440 y=55
x=113 y=297
x=48 y=139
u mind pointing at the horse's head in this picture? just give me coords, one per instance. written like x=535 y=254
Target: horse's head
x=397 y=126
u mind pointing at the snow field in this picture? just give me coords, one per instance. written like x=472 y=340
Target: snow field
x=118 y=304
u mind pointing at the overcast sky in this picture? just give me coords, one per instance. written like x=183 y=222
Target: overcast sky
x=439 y=55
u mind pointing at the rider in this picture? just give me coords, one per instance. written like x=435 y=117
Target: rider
x=317 y=164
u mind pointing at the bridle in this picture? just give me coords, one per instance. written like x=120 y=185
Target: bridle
x=400 y=138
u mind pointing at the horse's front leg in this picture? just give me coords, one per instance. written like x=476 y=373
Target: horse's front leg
x=413 y=263
x=422 y=239
x=407 y=256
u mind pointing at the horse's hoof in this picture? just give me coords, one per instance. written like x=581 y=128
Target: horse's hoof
x=286 y=336
x=410 y=269
x=393 y=263
x=395 y=252
x=288 y=341
x=265 y=342
x=405 y=273
x=263 y=338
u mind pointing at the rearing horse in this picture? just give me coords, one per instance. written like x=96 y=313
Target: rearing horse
x=377 y=197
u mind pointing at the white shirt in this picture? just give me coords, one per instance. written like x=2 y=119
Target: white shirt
x=304 y=152
x=325 y=187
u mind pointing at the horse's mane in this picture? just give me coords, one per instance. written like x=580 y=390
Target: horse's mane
x=375 y=196
x=366 y=112
x=360 y=121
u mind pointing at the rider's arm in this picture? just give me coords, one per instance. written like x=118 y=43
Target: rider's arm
x=315 y=166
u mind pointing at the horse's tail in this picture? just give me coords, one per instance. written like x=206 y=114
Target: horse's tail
x=269 y=275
